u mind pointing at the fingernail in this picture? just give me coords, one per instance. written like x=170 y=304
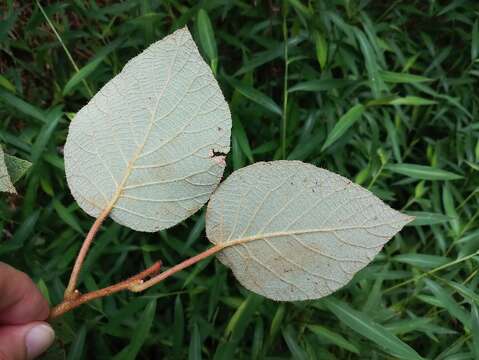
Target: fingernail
x=38 y=339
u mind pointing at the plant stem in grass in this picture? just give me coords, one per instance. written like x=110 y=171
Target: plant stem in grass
x=70 y=290
x=285 y=90
x=79 y=299
x=136 y=283
x=430 y=272
x=70 y=57
x=182 y=265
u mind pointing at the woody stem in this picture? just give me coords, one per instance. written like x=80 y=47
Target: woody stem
x=72 y=283
x=70 y=304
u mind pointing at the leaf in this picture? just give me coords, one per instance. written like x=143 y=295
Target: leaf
x=22 y=234
x=450 y=209
x=344 y=123
x=5 y=83
x=412 y=100
x=43 y=139
x=376 y=83
x=255 y=95
x=289 y=337
x=422 y=172
x=402 y=78
x=258 y=340
x=21 y=105
x=240 y=134
x=66 y=216
x=242 y=316
x=178 y=328
x=422 y=218
x=16 y=167
x=150 y=145
x=292 y=231
x=321 y=85
x=464 y=291
x=407 y=100
x=140 y=334
x=333 y=338
x=475 y=43
x=446 y=301
x=475 y=328
x=207 y=38
x=78 y=345
x=89 y=68
x=300 y=8
x=194 y=351
x=321 y=49
x=6 y=184
x=366 y=327
x=277 y=321
x=422 y=261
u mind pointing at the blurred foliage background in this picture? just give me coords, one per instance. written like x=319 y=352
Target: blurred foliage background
x=382 y=92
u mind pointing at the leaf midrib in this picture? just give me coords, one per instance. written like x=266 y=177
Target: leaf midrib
x=141 y=147
x=247 y=239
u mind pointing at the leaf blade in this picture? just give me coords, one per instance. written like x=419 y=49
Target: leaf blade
x=207 y=38
x=274 y=222
x=256 y=96
x=422 y=172
x=16 y=167
x=366 y=327
x=344 y=123
x=145 y=148
x=6 y=184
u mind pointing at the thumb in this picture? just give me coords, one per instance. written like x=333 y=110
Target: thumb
x=25 y=342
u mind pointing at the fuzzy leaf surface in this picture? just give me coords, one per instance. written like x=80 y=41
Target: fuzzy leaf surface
x=16 y=167
x=149 y=146
x=293 y=231
x=6 y=184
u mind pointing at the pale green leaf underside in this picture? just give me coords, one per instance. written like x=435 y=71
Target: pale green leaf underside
x=294 y=231
x=6 y=184
x=16 y=167
x=145 y=146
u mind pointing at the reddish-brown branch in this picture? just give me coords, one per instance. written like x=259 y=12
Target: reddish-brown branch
x=70 y=292
x=76 y=299
x=136 y=283
x=188 y=262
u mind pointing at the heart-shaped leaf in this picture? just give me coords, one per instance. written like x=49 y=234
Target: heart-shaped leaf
x=150 y=145
x=293 y=231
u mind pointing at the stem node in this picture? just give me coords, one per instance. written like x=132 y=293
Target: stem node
x=77 y=299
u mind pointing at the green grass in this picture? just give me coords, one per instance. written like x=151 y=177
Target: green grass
x=384 y=93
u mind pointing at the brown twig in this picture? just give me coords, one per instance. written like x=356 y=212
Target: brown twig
x=136 y=283
x=76 y=299
x=70 y=292
x=73 y=298
x=184 y=264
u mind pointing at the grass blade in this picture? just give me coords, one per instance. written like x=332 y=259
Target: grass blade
x=256 y=96
x=194 y=352
x=422 y=218
x=207 y=38
x=366 y=327
x=344 y=123
x=333 y=338
x=422 y=172
x=448 y=303
x=403 y=78
x=140 y=333
x=422 y=261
